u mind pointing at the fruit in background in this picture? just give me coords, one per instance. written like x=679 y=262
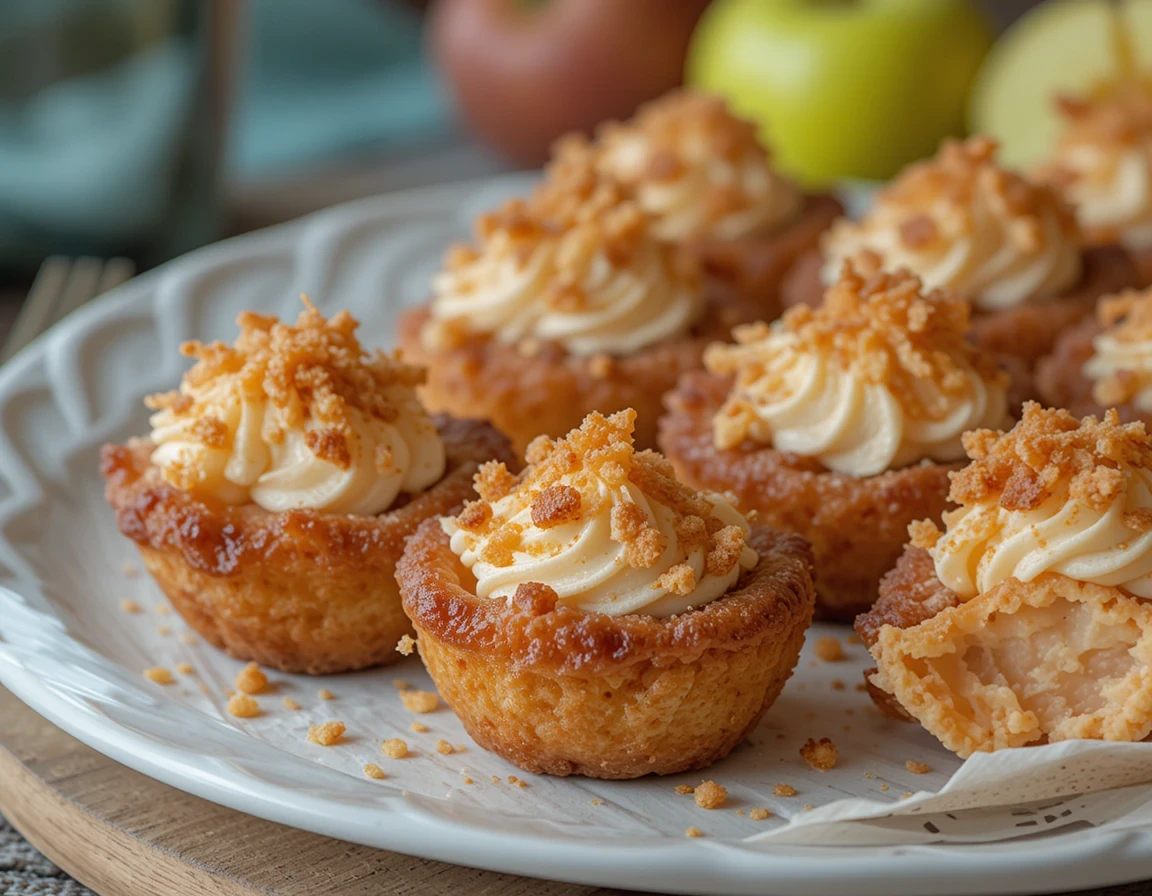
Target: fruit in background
x=1063 y=46
x=523 y=72
x=843 y=88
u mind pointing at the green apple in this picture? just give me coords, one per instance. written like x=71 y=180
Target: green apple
x=843 y=88
x=1063 y=46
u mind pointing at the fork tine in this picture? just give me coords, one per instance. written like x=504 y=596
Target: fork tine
x=82 y=284
x=116 y=271
x=36 y=314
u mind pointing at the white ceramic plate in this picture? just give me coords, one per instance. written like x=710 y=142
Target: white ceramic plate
x=70 y=651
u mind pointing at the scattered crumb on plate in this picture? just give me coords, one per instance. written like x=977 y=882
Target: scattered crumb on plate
x=372 y=770
x=325 y=694
x=419 y=701
x=419 y=727
x=250 y=680
x=289 y=703
x=394 y=748
x=917 y=768
x=326 y=734
x=784 y=790
x=710 y=795
x=821 y=755
x=406 y=645
x=693 y=832
x=829 y=649
x=129 y=606
x=242 y=706
x=759 y=814
x=158 y=675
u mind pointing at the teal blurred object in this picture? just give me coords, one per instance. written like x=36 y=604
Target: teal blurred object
x=107 y=139
x=321 y=80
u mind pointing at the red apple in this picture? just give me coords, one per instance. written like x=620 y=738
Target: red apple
x=523 y=72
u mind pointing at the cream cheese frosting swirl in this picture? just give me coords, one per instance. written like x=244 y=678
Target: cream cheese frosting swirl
x=696 y=168
x=961 y=222
x=605 y=528
x=1121 y=362
x=297 y=417
x=1053 y=495
x=1103 y=163
x=578 y=265
x=880 y=376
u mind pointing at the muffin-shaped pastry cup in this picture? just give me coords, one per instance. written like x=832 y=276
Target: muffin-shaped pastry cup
x=300 y=590
x=559 y=691
x=550 y=391
x=857 y=526
x=1060 y=379
x=1026 y=332
x=1021 y=664
x=756 y=266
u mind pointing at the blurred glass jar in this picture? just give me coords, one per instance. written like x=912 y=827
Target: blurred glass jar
x=111 y=126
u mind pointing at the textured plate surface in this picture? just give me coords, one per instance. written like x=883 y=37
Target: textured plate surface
x=68 y=649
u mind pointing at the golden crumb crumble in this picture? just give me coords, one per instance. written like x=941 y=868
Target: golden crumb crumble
x=163 y=610
x=188 y=638
x=129 y=570
x=159 y=675
x=684 y=789
x=250 y=680
x=289 y=703
x=314 y=371
x=563 y=483
x=185 y=668
x=882 y=325
x=693 y=831
x=1047 y=450
x=419 y=701
x=596 y=802
x=710 y=795
x=443 y=747
x=130 y=606
x=163 y=630
x=829 y=649
x=242 y=706
x=418 y=727
x=917 y=768
x=949 y=183
x=325 y=694
x=884 y=787
x=821 y=755
x=406 y=645
x=394 y=748
x=784 y=790
x=759 y=814
x=400 y=684
x=372 y=770
x=326 y=734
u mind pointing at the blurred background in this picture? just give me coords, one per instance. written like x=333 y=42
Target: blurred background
x=143 y=128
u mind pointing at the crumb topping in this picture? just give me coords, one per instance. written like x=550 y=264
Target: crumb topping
x=882 y=326
x=591 y=477
x=1121 y=364
x=242 y=706
x=1046 y=451
x=313 y=371
x=696 y=167
x=563 y=255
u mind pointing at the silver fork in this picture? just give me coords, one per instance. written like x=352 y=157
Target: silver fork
x=61 y=286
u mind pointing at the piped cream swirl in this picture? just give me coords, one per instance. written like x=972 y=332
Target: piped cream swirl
x=699 y=170
x=1103 y=163
x=1053 y=495
x=878 y=378
x=579 y=289
x=616 y=534
x=1121 y=364
x=962 y=223
x=297 y=417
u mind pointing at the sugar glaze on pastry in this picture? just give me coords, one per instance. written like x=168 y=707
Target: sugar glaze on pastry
x=296 y=416
x=608 y=529
x=880 y=376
